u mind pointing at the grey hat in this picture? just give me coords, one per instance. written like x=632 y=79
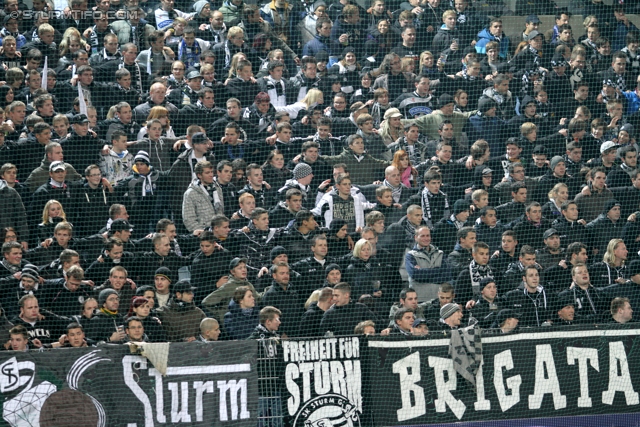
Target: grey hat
x=57 y=166
x=555 y=161
x=533 y=34
x=460 y=206
x=199 y=5
x=448 y=309
x=301 y=170
x=30 y=271
x=550 y=232
x=606 y=146
x=234 y=262
x=104 y=294
x=193 y=75
x=627 y=127
x=532 y=19
x=487 y=171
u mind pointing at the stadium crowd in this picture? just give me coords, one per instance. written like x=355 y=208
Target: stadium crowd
x=182 y=171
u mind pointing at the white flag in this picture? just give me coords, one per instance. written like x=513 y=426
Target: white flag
x=45 y=70
x=83 y=105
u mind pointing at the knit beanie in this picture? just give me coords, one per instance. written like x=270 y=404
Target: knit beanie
x=301 y=170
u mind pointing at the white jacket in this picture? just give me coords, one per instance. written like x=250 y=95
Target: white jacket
x=359 y=207
x=114 y=168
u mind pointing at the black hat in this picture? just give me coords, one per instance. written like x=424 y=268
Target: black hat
x=277 y=251
x=199 y=138
x=505 y=314
x=633 y=268
x=469 y=49
x=329 y=268
x=485 y=104
x=445 y=99
x=558 y=60
x=164 y=272
x=610 y=205
x=418 y=322
x=183 y=285
x=513 y=141
x=550 y=232
x=79 y=119
x=564 y=300
x=460 y=206
x=234 y=262
x=484 y=282
x=540 y=149
x=121 y=225
x=348 y=49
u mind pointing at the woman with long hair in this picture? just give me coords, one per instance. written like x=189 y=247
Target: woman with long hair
x=408 y=174
x=461 y=99
x=162 y=114
x=613 y=268
x=274 y=170
x=242 y=317
x=338 y=239
x=68 y=46
x=6 y=96
x=380 y=41
x=234 y=65
x=557 y=196
x=141 y=307
x=52 y=215
x=348 y=68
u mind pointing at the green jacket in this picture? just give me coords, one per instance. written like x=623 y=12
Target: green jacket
x=430 y=123
x=364 y=171
x=217 y=302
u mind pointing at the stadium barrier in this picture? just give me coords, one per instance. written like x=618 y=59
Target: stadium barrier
x=529 y=378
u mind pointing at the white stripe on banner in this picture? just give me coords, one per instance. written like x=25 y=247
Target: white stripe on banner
x=509 y=338
x=218 y=369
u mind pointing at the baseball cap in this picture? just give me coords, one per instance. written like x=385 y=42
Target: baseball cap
x=121 y=225
x=57 y=166
x=606 y=146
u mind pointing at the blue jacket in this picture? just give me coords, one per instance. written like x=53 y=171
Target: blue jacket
x=488 y=128
x=239 y=323
x=319 y=44
x=485 y=37
x=633 y=101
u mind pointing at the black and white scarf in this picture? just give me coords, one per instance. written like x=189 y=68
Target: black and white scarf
x=214 y=198
x=138 y=74
x=10 y=267
x=454 y=220
x=396 y=192
x=478 y=272
x=426 y=206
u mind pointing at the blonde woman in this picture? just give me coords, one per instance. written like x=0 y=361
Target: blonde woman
x=161 y=114
x=314 y=96
x=557 y=196
x=234 y=65
x=67 y=48
x=52 y=214
x=612 y=269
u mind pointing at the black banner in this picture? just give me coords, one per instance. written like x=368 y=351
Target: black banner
x=323 y=382
x=203 y=385
x=526 y=375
